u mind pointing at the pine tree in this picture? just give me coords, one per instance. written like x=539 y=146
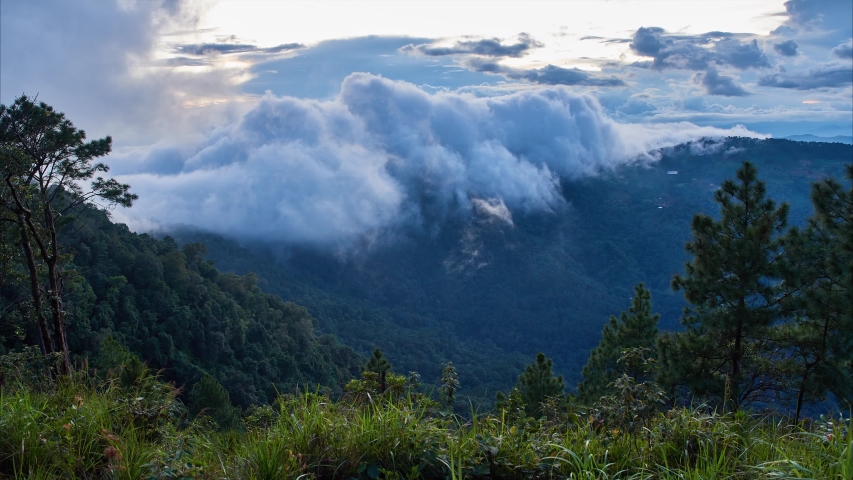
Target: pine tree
x=538 y=383
x=44 y=162
x=732 y=287
x=379 y=365
x=449 y=385
x=636 y=328
x=209 y=397
x=819 y=271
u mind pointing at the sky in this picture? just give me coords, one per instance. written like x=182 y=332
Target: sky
x=340 y=122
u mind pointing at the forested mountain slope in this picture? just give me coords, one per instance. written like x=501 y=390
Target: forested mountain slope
x=178 y=313
x=488 y=295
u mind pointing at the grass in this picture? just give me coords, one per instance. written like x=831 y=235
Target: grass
x=88 y=428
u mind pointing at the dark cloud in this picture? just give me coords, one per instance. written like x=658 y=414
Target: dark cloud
x=591 y=37
x=200 y=49
x=831 y=15
x=381 y=153
x=647 y=42
x=487 y=47
x=740 y=55
x=548 y=75
x=787 y=48
x=824 y=76
x=183 y=62
x=697 y=52
x=716 y=84
x=844 y=50
x=822 y=23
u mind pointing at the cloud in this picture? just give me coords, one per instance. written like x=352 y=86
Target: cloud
x=697 y=52
x=824 y=76
x=635 y=106
x=385 y=155
x=479 y=56
x=787 y=48
x=200 y=49
x=829 y=16
x=844 y=50
x=716 y=84
x=493 y=209
x=94 y=61
x=487 y=47
x=548 y=75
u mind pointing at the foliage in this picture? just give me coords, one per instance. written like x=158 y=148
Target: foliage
x=818 y=271
x=84 y=428
x=379 y=365
x=538 y=383
x=731 y=285
x=208 y=397
x=43 y=163
x=449 y=385
x=176 y=313
x=629 y=405
x=636 y=328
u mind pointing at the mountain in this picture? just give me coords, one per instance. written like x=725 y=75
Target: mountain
x=814 y=138
x=488 y=295
x=178 y=313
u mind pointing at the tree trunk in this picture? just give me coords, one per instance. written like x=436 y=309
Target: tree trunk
x=55 y=292
x=800 y=395
x=45 y=342
x=24 y=222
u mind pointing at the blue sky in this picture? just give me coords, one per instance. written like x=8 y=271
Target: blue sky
x=197 y=95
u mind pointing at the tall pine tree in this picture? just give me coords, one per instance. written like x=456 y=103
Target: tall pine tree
x=636 y=328
x=732 y=287
x=379 y=365
x=538 y=383
x=819 y=273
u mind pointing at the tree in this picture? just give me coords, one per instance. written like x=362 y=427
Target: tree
x=379 y=365
x=538 y=383
x=732 y=287
x=637 y=328
x=449 y=385
x=819 y=271
x=45 y=160
x=209 y=397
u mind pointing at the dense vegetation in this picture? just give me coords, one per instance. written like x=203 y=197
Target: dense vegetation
x=82 y=428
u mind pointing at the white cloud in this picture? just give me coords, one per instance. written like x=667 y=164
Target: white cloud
x=385 y=154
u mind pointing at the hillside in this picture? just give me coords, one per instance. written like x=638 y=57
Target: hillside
x=180 y=315
x=488 y=296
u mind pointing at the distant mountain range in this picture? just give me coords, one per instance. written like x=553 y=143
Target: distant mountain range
x=814 y=138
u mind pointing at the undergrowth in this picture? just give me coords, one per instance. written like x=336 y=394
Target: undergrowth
x=119 y=428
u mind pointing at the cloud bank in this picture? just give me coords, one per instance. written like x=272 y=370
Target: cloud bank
x=385 y=155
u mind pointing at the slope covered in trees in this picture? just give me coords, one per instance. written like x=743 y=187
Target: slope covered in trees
x=178 y=313
x=547 y=283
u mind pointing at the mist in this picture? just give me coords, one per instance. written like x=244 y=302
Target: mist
x=385 y=155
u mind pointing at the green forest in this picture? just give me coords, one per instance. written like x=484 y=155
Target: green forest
x=182 y=354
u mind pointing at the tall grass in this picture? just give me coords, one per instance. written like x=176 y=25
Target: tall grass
x=84 y=428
